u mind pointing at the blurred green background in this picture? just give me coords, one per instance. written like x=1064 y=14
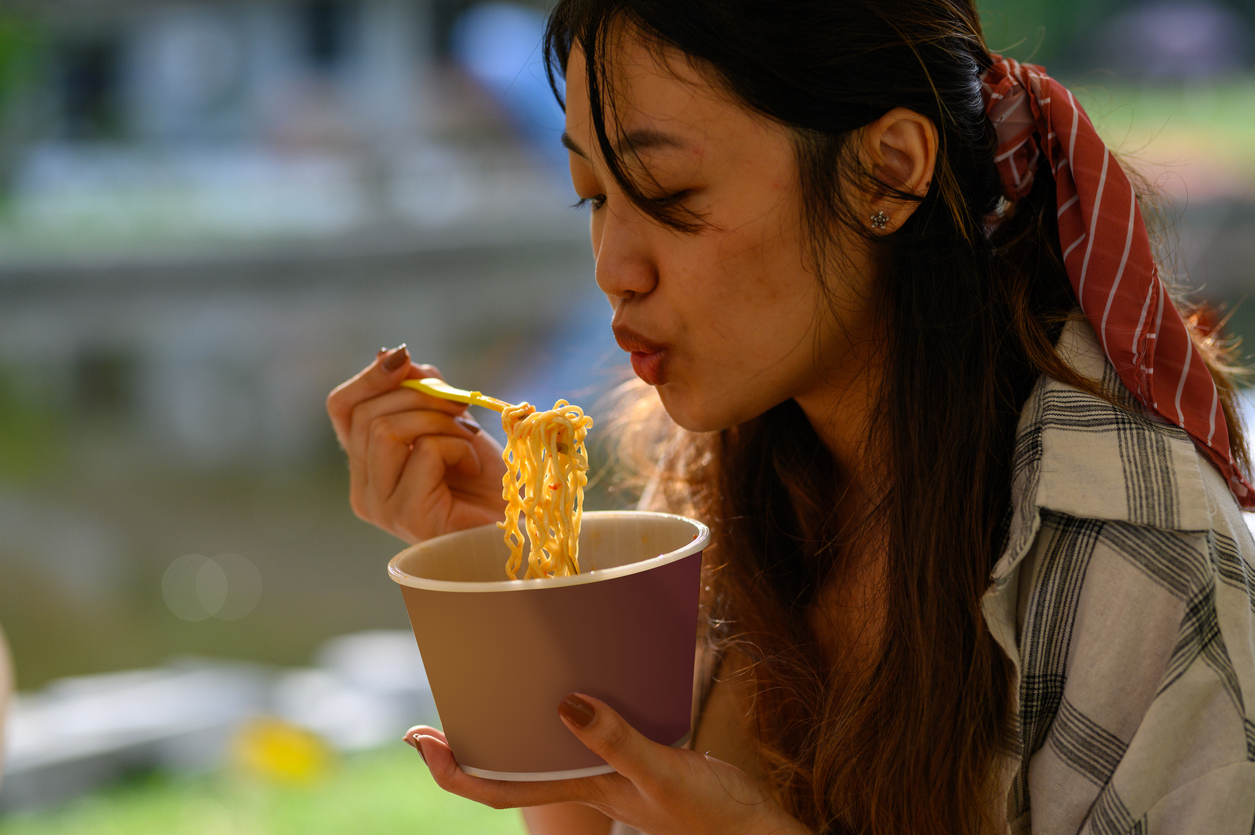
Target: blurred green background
x=213 y=211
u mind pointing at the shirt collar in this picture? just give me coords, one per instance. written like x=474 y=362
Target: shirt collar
x=1081 y=455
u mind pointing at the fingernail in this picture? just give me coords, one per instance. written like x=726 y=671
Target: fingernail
x=412 y=741
x=467 y=424
x=577 y=711
x=396 y=358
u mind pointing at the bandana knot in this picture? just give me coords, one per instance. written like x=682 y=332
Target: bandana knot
x=1012 y=92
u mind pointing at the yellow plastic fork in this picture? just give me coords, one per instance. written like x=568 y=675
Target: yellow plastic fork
x=437 y=387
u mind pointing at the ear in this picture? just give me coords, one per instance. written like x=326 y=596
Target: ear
x=900 y=149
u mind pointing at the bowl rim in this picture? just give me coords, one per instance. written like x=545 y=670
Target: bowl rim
x=699 y=543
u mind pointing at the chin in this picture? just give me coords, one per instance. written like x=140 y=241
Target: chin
x=695 y=417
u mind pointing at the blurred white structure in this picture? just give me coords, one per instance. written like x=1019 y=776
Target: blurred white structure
x=366 y=690
x=162 y=119
x=83 y=732
x=78 y=734
x=191 y=70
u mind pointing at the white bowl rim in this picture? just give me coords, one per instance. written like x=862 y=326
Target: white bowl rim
x=699 y=543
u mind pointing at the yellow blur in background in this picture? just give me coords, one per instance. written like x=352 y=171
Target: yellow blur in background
x=271 y=749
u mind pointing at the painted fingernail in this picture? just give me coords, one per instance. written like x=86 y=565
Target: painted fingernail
x=397 y=357
x=412 y=741
x=467 y=424
x=577 y=711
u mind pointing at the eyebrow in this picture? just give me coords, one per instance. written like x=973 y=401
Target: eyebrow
x=642 y=139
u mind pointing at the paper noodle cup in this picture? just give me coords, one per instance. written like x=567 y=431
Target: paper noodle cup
x=502 y=654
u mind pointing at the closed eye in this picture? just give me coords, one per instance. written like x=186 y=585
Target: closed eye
x=595 y=202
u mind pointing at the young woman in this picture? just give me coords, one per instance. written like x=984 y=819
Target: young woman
x=975 y=483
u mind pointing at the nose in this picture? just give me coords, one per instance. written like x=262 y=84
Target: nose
x=622 y=239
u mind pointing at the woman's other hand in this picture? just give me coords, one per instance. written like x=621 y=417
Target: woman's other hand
x=655 y=788
x=419 y=466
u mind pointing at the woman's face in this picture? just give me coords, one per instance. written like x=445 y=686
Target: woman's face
x=727 y=321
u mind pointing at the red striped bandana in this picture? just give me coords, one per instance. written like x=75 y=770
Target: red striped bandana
x=1107 y=253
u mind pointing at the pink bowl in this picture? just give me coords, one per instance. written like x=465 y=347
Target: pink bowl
x=502 y=654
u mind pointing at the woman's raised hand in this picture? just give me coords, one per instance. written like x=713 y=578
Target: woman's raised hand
x=419 y=466
x=655 y=788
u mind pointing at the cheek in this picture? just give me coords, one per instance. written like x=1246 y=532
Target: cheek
x=760 y=285
x=768 y=251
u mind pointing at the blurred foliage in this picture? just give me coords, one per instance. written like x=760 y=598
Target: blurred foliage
x=32 y=430
x=379 y=792
x=1037 y=30
x=23 y=48
x=22 y=44
x=1045 y=31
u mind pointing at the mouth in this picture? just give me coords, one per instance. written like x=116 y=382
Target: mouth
x=648 y=357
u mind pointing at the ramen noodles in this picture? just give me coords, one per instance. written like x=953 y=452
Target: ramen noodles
x=546 y=472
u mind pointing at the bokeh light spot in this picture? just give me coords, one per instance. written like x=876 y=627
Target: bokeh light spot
x=196 y=587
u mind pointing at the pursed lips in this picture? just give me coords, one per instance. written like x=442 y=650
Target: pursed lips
x=633 y=342
x=648 y=357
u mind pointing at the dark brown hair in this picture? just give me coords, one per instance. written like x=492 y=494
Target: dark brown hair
x=973 y=298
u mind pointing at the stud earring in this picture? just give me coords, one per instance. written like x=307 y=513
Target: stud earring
x=880 y=220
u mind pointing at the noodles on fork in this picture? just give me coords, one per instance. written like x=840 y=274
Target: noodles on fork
x=546 y=472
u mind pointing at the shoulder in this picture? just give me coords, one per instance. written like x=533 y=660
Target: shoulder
x=1106 y=460
x=1089 y=456
x=1125 y=599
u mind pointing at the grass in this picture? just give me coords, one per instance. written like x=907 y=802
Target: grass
x=378 y=792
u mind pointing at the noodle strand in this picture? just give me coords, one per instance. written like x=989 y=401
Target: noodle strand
x=546 y=472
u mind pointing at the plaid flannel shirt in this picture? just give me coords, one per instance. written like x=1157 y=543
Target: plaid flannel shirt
x=1125 y=599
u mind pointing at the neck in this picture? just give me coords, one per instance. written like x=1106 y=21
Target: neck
x=848 y=613
x=840 y=407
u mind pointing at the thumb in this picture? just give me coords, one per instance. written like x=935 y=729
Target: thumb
x=610 y=737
